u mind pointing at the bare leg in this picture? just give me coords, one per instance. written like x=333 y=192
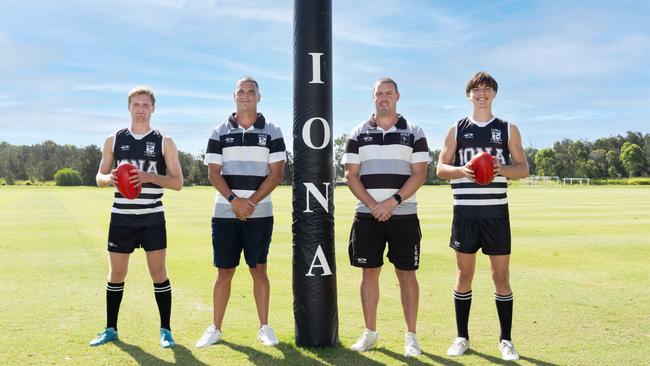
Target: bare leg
x=410 y=294
x=261 y=291
x=221 y=294
x=369 y=290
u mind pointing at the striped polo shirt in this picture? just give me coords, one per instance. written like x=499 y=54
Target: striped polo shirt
x=385 y=158
x=245 y=156
x=147 y=154
x=472 y=200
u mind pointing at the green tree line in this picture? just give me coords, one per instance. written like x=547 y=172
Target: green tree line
x=608 y=157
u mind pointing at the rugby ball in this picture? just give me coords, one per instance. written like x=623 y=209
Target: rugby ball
x=124 y=185
x=483 y=168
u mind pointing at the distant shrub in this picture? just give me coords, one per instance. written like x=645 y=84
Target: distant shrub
x=10 y=179
x=624 y=181
x=67 y=177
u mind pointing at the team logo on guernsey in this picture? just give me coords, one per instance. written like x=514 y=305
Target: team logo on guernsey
x=125 y=147
x=367 y=138
x=230 y=140
x=261 y=140
x=496 y=136
x=150 y=149
x=468 y=135
x=404 y=138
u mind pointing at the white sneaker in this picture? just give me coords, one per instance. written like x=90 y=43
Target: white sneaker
x=459 y=347
x=211 y=336
x=267 y=336
x=367 y=340
x=411 y=346
x=508 y=352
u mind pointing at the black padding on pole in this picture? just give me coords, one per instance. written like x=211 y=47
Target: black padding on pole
x=314 y=267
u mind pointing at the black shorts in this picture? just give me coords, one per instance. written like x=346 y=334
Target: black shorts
x=231 y=236
x=492 y=235
x=124 y=239
x=368 y=238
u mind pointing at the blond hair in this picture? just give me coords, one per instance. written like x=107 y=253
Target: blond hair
x=140 y=90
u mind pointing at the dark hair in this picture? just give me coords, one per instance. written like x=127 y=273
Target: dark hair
x=248 y=79
x=481 y=78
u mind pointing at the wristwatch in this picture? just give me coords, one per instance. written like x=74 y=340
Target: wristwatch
x=397 y=198
x=231 y=197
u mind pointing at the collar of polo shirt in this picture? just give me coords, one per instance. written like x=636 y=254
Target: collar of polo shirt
x=400 y=125
x=260 y=122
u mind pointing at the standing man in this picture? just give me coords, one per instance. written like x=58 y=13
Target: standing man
x=245 y=158
x=139 y=222
x=481 y=211
x=386 y=162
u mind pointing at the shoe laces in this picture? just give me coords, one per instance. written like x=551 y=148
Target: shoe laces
x=412 y=340
x=367 y=338
x=459 y=343
x=507 y=347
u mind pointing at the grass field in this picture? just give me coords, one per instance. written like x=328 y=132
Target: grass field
x=580 y=274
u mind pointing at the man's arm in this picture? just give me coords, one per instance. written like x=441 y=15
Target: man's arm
x=276 y=173
x=384 y=210
x=445 y=169
x=105 y=175
x=240 y=206
x=173 y=179
x=519 y=167
x=356 y=187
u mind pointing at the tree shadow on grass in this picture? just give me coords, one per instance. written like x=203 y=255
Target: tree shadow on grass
x=291 y=355
x=182 y=355
x=419 y=360
x=499 y=361
x=294 y=356
x=342 y=355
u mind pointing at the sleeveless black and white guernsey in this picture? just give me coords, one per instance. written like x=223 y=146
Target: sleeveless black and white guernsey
x=146 y=153
x=472 y=200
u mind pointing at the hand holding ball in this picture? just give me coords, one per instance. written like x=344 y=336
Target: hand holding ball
x=124 y=184
x=483 y=168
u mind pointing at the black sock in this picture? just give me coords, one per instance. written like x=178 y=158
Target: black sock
x=163 y=292
x=504 y=309
x=114 y=292
x=462 y=303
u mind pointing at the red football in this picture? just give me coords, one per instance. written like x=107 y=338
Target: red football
x=124 y=185
x=483 y=169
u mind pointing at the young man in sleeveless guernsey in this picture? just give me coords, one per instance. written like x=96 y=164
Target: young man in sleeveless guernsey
x=481 y=211
x=139 y=222
x=245 y=158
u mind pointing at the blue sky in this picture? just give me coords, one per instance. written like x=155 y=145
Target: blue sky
x=576 y=69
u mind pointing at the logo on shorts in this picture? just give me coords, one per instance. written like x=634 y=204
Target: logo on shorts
x=496 y=136
x=416 y=256
x=125 y=147
x=261 y=140
x=111 y=245
x=362 y=260
x=456 y=244
x=150 y=149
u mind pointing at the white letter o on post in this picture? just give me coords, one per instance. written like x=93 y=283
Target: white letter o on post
x=306 y=133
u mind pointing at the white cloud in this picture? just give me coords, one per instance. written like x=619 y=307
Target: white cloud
x=124 y=88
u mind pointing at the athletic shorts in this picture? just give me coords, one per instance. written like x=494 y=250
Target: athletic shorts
x=232 y=236
x=492 y=235
x=124 y=239
x=368 y=238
